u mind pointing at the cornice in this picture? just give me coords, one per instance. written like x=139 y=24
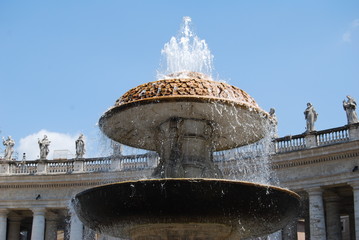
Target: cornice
x=332 y=180
x=59 y=184
x=317 y=158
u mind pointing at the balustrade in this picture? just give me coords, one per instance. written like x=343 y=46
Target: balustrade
x=97 y=165
x=290 y=143
x=150 y=160
x=333 y=136
x=23 y=167
x=60 y=167
x=137 y=162
x=320 y=138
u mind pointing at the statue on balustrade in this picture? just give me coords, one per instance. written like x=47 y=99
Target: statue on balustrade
x=9 y=144
x=350 y=106
x=80 y=147
x=117 y=148
x=44 y=147
x=310 y=116
x=273 y=119
x=273 y=122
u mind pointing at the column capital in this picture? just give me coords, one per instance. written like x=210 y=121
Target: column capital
x=4 y=212
x=354 y=184
x=314 y=191
x=39 y=211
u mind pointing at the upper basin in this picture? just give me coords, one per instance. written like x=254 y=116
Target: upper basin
x=235 y=116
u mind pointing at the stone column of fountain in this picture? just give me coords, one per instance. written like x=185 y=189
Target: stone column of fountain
x=185 y=116
x=185 y=147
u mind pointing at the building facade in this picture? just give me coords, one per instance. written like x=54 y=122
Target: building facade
x=321 y=166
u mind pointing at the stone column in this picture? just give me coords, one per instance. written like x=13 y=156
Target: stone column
x=38 y=224
x=355 y=186
x=76 y=229
x=14 y=227
x=352 y=225
x=51 y=226
x=3 y=222
x=333 y=217
x=307 y=226
x=305 y=215
x=290 y=231
x=316 y=214
x=185 y=147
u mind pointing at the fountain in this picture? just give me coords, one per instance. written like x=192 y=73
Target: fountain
x=185 y=117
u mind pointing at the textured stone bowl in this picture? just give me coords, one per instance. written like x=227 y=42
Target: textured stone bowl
x=235 y=116
x=163 y=206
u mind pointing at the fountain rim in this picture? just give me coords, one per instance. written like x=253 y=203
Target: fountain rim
x=160 y=190
x=112 y=114
x=247 y=183
x=181 y=98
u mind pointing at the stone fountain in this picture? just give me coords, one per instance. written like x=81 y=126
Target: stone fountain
x=185 y=117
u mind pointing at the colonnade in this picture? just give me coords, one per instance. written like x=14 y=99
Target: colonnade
x=44 y=225
x=322 y=223
x=322 y=218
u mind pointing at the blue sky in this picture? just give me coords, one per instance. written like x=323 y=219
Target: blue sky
x=63 y=63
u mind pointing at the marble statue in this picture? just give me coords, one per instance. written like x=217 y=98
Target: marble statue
x=80 y=147
x=44 y=147
x=350 y=106
x=117 y=148
x=9 y=147
x=274 y=123
x=310 y=116
x=273 y=120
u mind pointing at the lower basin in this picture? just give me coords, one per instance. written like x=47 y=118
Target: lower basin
x=184 y=208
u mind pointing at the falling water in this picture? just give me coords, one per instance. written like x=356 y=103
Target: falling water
x=251 y=162
x=186 y=53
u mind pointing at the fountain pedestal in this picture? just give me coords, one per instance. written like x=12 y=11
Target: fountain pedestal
x=185 y=147
x=181 y=231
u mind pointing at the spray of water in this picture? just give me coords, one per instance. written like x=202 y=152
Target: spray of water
x=186 y=53
x=251 y=162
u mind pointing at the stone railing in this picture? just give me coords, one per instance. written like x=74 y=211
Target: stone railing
x=61 y=166
x=332 y=136
x=290 y=143
x=138 y=162
x=98 y=164
x=317 y=138
x=150 y=159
